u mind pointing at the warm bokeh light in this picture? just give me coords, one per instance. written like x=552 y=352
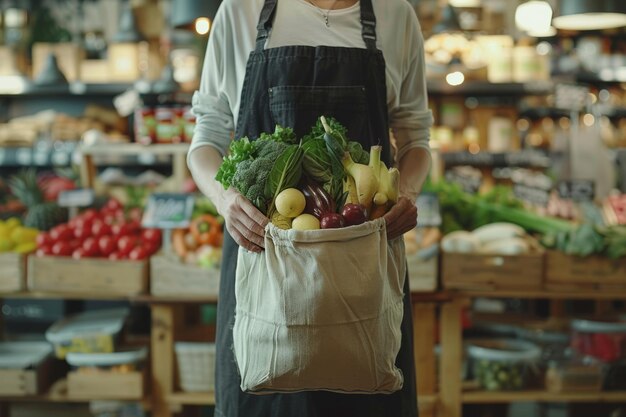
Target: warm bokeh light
x=203 y=25
x=589 y=119
x=455 y=78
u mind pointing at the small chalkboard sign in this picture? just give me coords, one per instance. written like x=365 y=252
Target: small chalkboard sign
x=577 y=190
x=534 y=195
x=468 y=178
x=429 y=213
x=82 y=197
x=168 y=211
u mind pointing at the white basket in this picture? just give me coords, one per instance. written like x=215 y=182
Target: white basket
x=196 y=366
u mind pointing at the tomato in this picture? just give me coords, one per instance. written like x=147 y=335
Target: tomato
x=116 y=256
x=61 y=233
x=90 y=246
x=151 y=235
x=44 y=250
x=89 y=214
x=106 y=245
x=61 y=248
x=82 y=233
x=75 y=243
x=134 y=226
x=83 y=223
x=125 y=244
x=138 y=253
x=113 y=204
x=121 y=229
x=43 y=239
x=100 y=228
x=151 y=248
x=109 y=219
x=135 y=214
x=78 y=253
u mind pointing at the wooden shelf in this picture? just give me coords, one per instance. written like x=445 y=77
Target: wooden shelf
x=192 y=398
x=487 y=397
x=485 y=88
x=134 y=149
x=142 y=298
x=58 y=394
x=545 y=294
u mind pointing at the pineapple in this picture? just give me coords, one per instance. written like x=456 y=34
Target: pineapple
x=41 y=215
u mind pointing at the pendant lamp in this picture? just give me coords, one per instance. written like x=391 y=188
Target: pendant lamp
x=51 y=74
x=449 y=21
x=535 y=18
x=127 y=32
x=590 y=14
x=193 y=14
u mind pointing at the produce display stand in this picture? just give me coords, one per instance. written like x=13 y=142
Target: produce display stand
x=452 y=394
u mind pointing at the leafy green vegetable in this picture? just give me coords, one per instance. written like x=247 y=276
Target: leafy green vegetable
x=316 y=162
x=317 y=131
x=239 y=151
x=285 y=173
x=281 y=134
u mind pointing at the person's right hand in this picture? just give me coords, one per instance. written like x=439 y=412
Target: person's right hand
x=245 y=223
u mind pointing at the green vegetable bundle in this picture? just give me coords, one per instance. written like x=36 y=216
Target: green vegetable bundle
x=260 y=169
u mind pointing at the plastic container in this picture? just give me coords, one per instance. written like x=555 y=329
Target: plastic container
x=89 y=332
x=196 y=366
x=23 y=355
x=554 y=344
x=128 y=360
x=503 y=364
x=604 y=340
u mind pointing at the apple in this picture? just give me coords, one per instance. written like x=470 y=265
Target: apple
x=332 y=221
x=353 y=214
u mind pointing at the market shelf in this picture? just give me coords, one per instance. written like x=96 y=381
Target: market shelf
x=58 y=394
x=28 y=156
x=141 y=298
x=485 y=88
x=487 y=397
x=532 y=159
x=192 y=398
x=545 y=294
x=134 y=149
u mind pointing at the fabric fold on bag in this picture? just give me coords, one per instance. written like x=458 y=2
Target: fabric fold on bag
x=320 y=310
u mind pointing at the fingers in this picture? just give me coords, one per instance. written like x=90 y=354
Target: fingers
x=246 y=224
x=401 y=218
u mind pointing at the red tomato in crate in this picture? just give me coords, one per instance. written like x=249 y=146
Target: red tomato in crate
x=75 y=243
x=113 y=204
x=107 y=245
x=116 y=256
x=62 y=248
x=89 y=214
x=121 y=229
x=83 y=223
x=82 y=233
x=151 y=248
x=151 y=235
x=43 y=239
x=78 y=253
x=90 y=247
x=138 y=253
x=61 y=233
x=126 y=244
x=100 y=228
x=44 y=250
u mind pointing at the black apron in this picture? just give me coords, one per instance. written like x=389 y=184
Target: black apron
x=293 y=86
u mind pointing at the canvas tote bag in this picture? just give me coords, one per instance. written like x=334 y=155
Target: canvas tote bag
x=320 y=310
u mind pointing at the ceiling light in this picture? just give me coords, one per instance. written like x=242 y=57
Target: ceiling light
x=533 y=16
x=590 y=14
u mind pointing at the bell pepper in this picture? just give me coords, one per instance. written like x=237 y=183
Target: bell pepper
x=207 y=230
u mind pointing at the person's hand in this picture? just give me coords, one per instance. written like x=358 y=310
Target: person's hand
x=401 y=218
x=245 y=223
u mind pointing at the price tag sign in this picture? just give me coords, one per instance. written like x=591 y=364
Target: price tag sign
x=429 y=210
x=577 y=190
x=83 y=197
x=536 y=196
x=168 y=211
x=468 y=178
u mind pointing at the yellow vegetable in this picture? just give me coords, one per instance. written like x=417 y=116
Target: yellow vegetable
x=6 y=245
x=364 y=178
x=25 y=248
x=281 y=221
x=21 y=235
x=305 y=222
x=12 y=223
x=290 y=202
x=350 y=187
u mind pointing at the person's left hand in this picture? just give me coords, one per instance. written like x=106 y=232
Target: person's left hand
x=401 y=218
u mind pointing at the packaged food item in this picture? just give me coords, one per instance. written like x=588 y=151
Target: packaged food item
x=574 y=376
x=554 y=343
x=168 y=129
x=145 y=126
x=604 y=340
x=503 y=364
x=196 y=366
x=89 y=332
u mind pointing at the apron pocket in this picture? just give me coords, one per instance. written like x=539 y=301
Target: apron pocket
x=299 y=107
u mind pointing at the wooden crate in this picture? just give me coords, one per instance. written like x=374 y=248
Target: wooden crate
x=101 y=276
x=475 y=271
x=423 y=274
x=566 y=273
x=26 y=382
x=169 y=277
x=12 y=272
x=105 y=385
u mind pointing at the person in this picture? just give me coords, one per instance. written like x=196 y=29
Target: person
x=288 y=62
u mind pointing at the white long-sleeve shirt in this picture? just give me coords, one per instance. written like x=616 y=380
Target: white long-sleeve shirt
x=298 y=22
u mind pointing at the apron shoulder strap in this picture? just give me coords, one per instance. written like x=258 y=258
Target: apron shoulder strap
x=265 y=23
x=368 y=23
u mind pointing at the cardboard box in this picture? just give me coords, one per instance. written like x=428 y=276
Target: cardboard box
x=12 y=272
x=171 y=278
x=87 y=276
